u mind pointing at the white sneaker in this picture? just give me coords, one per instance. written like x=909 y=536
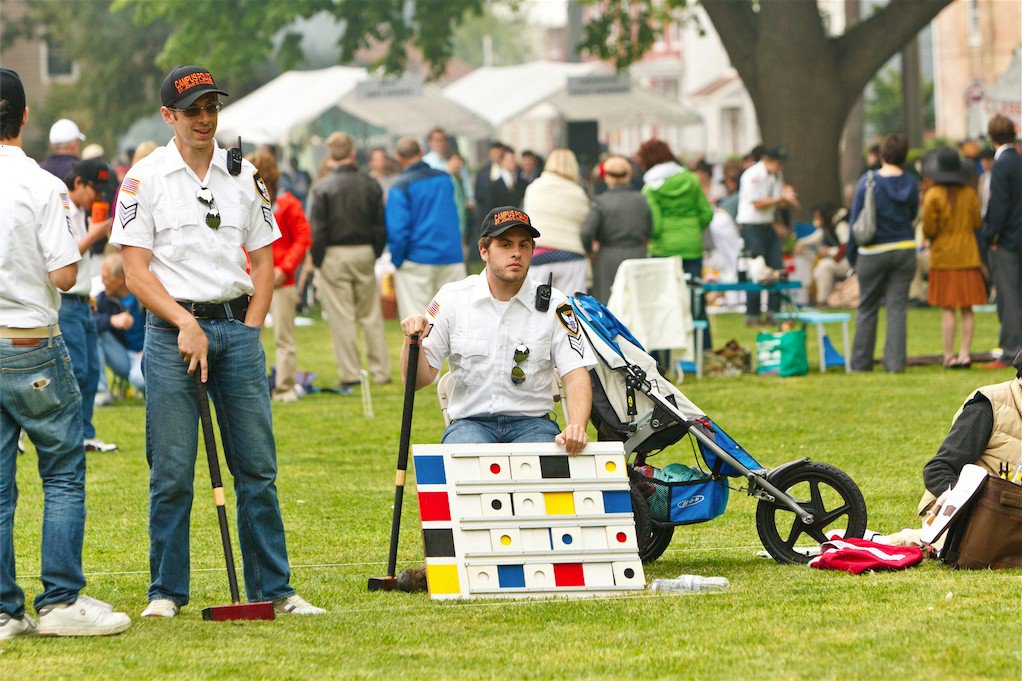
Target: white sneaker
x=10 y=627
x=161 y=607
x=85 y=617
x=296 y=605
x=102 y=399
x=94 y=444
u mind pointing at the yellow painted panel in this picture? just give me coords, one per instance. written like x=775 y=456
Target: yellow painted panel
x=559 y=503
x=442 y=579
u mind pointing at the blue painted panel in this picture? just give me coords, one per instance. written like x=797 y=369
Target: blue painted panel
x=429 y=470
x=511 y=576
x=617 y=502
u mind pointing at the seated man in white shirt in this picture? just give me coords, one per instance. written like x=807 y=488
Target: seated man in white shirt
x=503 y=350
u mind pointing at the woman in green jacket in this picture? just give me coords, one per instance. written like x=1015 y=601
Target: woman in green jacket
x=680 y=212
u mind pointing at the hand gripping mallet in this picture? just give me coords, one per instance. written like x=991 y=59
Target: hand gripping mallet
x=237 y=610
x=389 y=583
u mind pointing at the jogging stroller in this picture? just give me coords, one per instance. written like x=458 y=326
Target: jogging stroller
x=634 y=404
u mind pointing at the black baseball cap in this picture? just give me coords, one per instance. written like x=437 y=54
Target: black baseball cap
x=776 y=153
x=185 y=84
x=95 y=172
x=13 y=91
x=503 y=218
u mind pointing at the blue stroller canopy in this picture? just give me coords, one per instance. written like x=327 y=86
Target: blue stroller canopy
x=603 y=322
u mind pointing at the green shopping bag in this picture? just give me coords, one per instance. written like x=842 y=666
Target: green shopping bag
x=782 y=353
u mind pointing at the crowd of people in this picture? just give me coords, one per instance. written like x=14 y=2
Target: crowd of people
x=183 y=252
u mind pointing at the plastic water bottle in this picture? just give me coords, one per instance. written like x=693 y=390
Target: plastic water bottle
x=691 y=584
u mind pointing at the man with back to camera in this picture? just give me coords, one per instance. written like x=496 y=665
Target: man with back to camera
x=87 y=181
x=37 y=389
x=503 y=351
x=65 y=148
x=182 y=222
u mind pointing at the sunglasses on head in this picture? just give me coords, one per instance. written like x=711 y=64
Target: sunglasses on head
x=517 y=373
x=205 y=197
x=212 y=108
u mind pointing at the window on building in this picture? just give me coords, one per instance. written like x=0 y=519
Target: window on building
x=57 y=63
x=975 y=35
x=732 y=139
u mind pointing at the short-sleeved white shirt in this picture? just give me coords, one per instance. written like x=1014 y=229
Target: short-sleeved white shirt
x=480 y=340
x=158 y=209
x=35 y=239
x=757 y=184
x=86 y=271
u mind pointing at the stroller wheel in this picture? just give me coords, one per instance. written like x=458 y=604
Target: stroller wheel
x=825 y=491
x=653 y=540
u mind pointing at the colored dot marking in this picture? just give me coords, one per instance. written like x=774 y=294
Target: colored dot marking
x=629 y=573
x=495 y=468
x=610 y=466
x=621 y=537
x=505 y=540
x=567 y=539
x=495 y=504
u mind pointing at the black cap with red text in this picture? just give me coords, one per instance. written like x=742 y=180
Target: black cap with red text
x=503 y=218
x=95 y=172
x=185 y=84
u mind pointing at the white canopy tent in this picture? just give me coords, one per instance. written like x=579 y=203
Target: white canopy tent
x=293 y=100
x=502 y=93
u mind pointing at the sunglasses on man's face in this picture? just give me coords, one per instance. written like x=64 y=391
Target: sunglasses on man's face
x=212 y=108
x=517 y=373
x=205 y=197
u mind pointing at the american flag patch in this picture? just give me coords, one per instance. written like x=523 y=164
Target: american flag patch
x=65 y=201
x=130 y=186
x=433 y=308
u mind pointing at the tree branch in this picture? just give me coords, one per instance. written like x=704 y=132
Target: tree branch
x=867 y=46
x=737 y=25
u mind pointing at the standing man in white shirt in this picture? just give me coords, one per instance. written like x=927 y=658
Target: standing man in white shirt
x=37 y=390
x=761 y=191
x=184 y=221
x=87 y=181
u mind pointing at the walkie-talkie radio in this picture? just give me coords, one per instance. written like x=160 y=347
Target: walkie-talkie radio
x=543 y=294
x=234 y=159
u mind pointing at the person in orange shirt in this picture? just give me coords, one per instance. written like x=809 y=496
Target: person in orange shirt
x=950 y=220
x=288 y=253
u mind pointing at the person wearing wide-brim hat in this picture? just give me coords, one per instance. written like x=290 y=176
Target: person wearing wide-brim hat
x=950 y=219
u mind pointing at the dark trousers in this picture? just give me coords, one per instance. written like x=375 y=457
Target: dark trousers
x=1006 y=273
x=883 y=278
x=761 y=240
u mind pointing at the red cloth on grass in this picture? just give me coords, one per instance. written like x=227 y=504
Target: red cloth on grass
x=858 y=555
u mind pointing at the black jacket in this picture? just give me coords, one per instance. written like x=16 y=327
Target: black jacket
x=347 y=210
x=499 y=195
x=1003 y=222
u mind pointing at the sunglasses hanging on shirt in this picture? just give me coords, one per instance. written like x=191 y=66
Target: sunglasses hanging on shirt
x=517 y=373
x=205 y=197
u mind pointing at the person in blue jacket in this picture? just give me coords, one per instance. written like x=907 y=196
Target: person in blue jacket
x=120 y=323
x=886 y=265
x=422 y=230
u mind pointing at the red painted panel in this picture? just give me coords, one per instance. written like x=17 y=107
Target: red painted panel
x=568 y=574
x=434 y=506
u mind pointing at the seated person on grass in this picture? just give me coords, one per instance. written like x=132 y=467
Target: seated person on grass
x=120 y=324
x=987 y=431
x=503 y=352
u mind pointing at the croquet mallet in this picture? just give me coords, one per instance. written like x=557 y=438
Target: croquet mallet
x=389 y=583
x=236 y=610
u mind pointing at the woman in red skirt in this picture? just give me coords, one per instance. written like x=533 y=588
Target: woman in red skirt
x=950 y=219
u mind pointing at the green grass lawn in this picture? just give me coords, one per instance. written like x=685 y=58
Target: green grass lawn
x=336 y=490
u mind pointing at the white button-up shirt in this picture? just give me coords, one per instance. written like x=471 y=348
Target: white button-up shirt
x=35 y=239
x=158 y=209
x=86 y=270
x=479 y=336
x=757 y=184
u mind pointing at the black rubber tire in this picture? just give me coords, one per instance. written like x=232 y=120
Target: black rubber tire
x=852 y=506
x=652 y=540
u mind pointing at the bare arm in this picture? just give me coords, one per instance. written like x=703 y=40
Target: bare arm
x=97 y=231
x=64 y=277
x=579 y=392
x=426 y=374
x=262 y=281
x=191 y=340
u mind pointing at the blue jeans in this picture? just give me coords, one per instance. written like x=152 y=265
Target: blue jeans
x=38 y=393
x=504 y=429
x=240 y=394
x=79 y=329
x=123 y=362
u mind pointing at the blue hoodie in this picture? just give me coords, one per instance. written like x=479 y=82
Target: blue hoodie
x=422 y=218
x=897 y=202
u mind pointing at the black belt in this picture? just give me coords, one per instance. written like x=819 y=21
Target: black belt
x=231 y=309
x=83 y=297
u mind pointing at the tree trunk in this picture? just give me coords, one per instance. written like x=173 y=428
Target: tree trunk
x=854 y=137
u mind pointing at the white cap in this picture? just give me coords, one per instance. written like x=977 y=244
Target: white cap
x=64 y=131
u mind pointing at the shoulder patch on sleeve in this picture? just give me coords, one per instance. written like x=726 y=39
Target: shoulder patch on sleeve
x=260 y=186
x=268 y=215
x=566 y=316
x=126 y=213
x=433 y=308
x=65 y=201
x=130 y=186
